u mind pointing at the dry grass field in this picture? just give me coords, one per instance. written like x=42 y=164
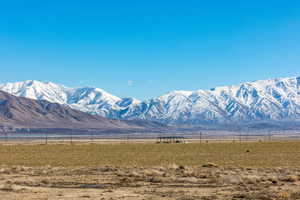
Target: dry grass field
x=266 y=171
x=252 y=154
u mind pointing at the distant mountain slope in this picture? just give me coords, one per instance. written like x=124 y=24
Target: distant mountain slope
x=19 y=112
x=265 y=100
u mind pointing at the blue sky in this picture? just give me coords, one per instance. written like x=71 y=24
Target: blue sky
x=146 y=48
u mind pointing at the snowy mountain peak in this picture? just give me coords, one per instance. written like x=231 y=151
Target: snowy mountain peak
x=176 y=94
x=37 y=90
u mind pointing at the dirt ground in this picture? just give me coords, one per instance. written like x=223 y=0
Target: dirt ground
x=207 y=182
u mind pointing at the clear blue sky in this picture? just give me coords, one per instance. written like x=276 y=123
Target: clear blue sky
x=146 y=48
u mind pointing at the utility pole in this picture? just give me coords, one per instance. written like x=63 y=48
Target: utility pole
x=71 y=138
x=92 y=136
x=46 y=138
x=233 y=138
x=240 y=137
x=6 y=136
x=200 y=137
x=247 y=136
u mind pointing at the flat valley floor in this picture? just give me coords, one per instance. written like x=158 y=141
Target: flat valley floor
x=256 y=170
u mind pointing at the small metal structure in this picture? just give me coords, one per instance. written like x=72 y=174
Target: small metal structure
x=171 y=140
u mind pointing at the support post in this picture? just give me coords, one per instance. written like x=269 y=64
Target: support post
x=46 y=138
x=200 y=137
x=71 y=137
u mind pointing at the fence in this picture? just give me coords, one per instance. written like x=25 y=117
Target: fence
x=201 y=137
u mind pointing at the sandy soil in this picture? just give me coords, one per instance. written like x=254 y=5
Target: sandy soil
x=206 y=182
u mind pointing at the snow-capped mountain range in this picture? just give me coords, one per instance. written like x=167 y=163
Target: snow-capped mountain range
x=267 y=100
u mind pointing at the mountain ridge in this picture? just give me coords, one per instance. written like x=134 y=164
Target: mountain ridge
x=268 y=100
x=23 y=113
